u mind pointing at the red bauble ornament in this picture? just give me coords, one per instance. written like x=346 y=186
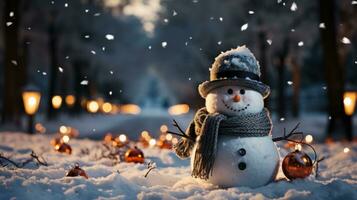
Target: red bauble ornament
x=63 y=148
x=134 y=155
x=77 y=171
x=297 y=164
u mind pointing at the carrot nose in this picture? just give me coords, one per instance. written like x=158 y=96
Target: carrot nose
x=236 y=98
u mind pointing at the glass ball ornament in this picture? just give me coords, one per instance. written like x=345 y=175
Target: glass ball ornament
x=134 y=155
x=297 y=164
x=63 y=148
x=77 y=171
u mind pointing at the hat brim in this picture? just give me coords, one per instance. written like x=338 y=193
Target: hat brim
x=205 y=87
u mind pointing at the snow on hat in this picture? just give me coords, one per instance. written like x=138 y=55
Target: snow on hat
x=236 y=67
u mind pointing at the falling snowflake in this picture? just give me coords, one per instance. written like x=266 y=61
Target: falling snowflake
x=329 y=117
x=354 y=2
x=322 y=25
x=111 y=72
x=190 y=38
x=219 y=42
x=269 y=42
x=289 y=82
x=93 y=52
x=189 y=78
x=301 y=43
x=244 y=27
x=109 y=36
x=110 y=93
x=356 y=62
x=174 y=13
x=149 y=47
x=345 y=40
x=221 y=19
x=60 y=69
x=103 y=48
x=11 y=14
x=195 y=1
x=84 y=82
x=66 y=5
x=14 y=62
x=251 y=12
x=96 y=14
x=211 y=18
x=186 y=43
x=293 y=7
x=324 y=87
x=87 y=36
x=67 y=57
x=164 y=44
x=44 y=73
x=282 y=119
x=292 y=30
x=8 y=23
x=166 y=20
x=86 y=10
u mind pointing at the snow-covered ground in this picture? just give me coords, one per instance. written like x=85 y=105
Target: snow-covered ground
x=170 y=180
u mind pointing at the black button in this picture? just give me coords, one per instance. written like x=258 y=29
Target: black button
x=242 y=152
x=242 y=165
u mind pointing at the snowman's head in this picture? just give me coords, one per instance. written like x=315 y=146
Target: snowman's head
x=234 y=101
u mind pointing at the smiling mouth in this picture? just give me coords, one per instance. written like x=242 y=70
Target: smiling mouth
x=233 y=109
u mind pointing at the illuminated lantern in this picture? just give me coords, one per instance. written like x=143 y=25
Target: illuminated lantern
x=297 y=164
x=56 y=101
x=70 y=100
x=349 y=102
x=77 y=171
x=107 y=107
x=134 y=155
x=130 y=109
x=63 y=148
x=179 y=109
x=31 y=97
x=92 y=106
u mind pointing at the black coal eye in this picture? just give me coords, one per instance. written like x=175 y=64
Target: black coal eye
x=242 y=91
x=230 y=91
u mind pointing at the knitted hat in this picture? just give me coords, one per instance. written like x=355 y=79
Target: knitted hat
x=236 y=67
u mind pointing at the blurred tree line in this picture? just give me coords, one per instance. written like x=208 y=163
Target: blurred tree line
x=298 y=44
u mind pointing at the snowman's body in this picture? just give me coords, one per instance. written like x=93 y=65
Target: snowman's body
x=240 y=161
x=257 y=158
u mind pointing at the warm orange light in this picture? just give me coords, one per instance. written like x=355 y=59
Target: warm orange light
x=349 y=102
x=63 y=129
x=179 y=109
x=40 y=128
x=130 y=109
x=92 y=106
x=56 y=101
x=168 y=137
x=65 y=138
x=309 y=138
x=31 y=101
x=346 y=150
x=70 y=100
x=122 y=138
x=107 y=107
x=163 y=128
x=152 y=142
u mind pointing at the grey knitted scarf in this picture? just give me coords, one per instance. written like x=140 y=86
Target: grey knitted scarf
x=204 y=129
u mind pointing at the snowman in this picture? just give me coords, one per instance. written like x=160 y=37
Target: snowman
x=229 y=141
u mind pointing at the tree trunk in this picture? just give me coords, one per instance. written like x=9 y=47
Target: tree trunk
x=51 y=112
x=296 y=86
x=281 y=67
x=340 y=123
x=262 y=61
x=14 y=72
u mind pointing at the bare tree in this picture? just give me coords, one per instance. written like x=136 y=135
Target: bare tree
x=339 y=122
x=14 y=72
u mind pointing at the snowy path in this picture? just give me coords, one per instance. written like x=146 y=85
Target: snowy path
x=170 y=180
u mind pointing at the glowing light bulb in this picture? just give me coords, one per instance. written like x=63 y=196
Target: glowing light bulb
x=122 y=138
x=309 y=138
